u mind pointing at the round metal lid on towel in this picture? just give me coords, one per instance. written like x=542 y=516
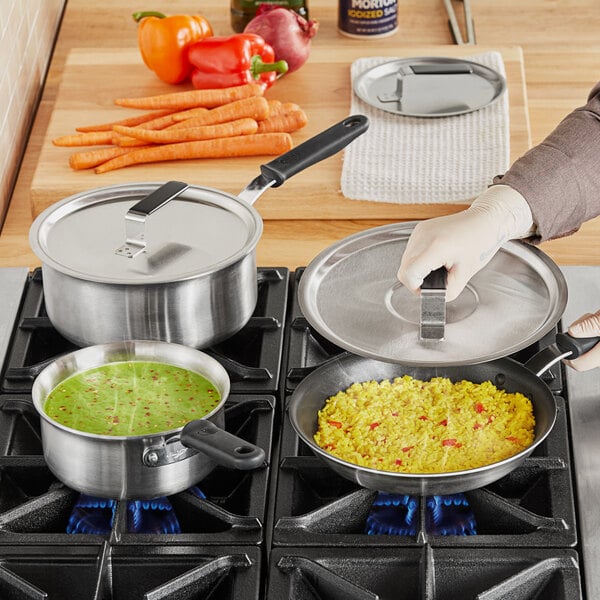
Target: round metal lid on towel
x=429 y=86
x=194 y=232
x=350 y=294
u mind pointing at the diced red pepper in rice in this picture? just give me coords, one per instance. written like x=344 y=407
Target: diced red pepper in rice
x=479 y=408
x=373 y=425
x=451 y=442
x=335 y=424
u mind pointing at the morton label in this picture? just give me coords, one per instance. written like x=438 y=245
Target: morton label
x=368 y=18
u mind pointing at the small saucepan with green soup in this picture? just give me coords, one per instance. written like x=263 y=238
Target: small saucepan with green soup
x=137 y=419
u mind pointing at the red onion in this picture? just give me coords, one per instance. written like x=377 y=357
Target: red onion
x=286 y=31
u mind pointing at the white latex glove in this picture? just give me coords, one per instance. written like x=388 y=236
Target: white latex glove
x=466 y=241
x=586 y=326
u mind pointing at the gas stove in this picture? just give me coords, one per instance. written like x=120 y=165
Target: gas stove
x=294 y=528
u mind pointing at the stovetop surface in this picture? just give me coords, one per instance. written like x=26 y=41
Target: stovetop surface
x=292 y=529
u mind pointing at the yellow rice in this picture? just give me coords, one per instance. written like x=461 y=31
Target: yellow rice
x=412 y=426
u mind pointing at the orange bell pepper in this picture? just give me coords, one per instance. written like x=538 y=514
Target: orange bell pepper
x=164 y=40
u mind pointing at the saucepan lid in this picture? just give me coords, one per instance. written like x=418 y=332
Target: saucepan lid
x=350 y=294
x=429 y=86
x=196 y=232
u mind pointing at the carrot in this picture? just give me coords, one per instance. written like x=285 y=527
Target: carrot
x=244 y=145
x=126 y=141
x=288 y=122
x=127 y=122
x=91 y=138
x=275 y=106
x=184 y=134
x=93 y=158
x=255 y=107
x=208 y=98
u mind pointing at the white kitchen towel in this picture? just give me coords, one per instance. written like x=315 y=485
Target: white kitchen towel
x=412 y=160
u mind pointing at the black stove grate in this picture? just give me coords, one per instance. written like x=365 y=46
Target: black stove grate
x=294 y=529
x=105 y=572
x=252 y=357
x=423 y=574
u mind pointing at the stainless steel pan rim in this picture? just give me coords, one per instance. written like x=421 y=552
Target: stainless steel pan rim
x=350 y=294
x=341 y=371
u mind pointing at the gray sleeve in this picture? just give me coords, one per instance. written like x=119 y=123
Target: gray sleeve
x=560 y=178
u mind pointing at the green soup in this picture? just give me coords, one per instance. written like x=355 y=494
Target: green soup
x=131 y=398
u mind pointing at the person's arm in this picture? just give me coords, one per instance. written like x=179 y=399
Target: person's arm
x=560 y=177
x=547 y=193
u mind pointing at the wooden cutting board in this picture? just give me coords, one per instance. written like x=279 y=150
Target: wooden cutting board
x=93 y=78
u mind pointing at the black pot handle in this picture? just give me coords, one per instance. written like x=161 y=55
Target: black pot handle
x=576 y=345
x=315 y=149
x=565 y=347
x=220 y=445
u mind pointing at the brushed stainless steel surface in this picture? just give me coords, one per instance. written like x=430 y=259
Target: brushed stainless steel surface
x=350 y=294
x=197 y=312
x=342 y=371
x=395 y=87
x=197 y=233
x=114 y=466
x=584 y=410
x=12 y=285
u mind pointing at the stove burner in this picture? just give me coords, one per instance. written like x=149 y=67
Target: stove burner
x=95 y=516
x=395 y=514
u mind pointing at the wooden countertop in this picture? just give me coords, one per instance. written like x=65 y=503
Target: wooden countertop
x=561 y=57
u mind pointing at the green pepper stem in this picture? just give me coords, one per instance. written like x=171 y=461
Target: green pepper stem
x=138 y=16
x=257 y=66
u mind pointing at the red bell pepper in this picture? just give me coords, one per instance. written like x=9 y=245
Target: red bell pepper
x=219 y=62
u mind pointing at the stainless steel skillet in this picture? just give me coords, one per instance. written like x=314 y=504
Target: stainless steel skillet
x=341 y=371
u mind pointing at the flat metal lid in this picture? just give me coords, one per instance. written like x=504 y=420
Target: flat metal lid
x=350 y=294
x=429 y=86
x=197 y=233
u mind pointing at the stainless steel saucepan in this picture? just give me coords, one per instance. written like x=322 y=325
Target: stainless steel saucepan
x=140 y=466
x=171 y=262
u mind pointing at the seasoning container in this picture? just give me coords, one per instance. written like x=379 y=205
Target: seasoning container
x=243 y=11
x=367 y=18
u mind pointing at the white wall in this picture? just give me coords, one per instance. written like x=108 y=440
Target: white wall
x=27 y=32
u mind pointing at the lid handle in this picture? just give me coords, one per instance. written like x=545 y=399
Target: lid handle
x=441 y=69
x=135 y=219
x=433 y=305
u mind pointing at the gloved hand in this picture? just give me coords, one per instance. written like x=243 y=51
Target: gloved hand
x=466 y=241
x=586 y=326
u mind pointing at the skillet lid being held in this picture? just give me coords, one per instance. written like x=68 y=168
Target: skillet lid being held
x=350 y=294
